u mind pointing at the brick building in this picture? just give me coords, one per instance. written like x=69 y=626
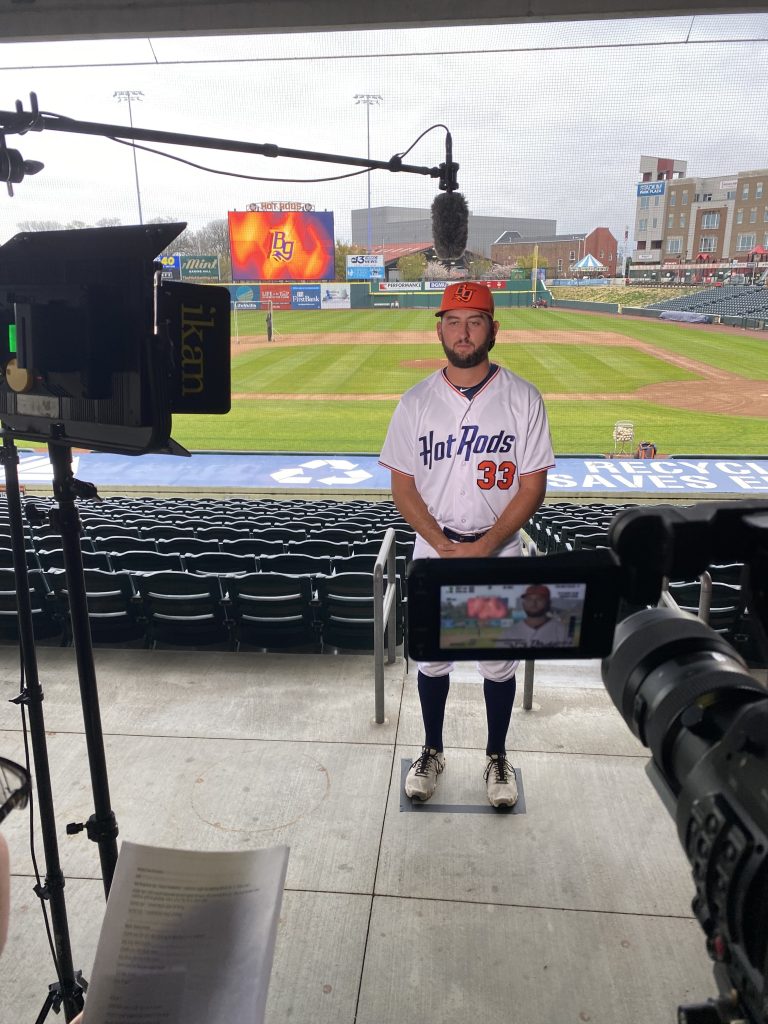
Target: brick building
x=397 y=225
x=559 y=251
x=698 y=219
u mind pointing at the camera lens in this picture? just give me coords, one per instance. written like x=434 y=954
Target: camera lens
x=675 y=683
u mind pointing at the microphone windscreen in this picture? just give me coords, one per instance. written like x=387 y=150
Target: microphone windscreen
x=450 y=225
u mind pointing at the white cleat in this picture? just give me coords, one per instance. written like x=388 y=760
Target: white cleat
x=501 y=781
x=421 y=780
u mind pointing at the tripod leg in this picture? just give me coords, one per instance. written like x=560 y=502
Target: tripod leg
x=32 y=698
x=54 y=1000
x=46 y=1008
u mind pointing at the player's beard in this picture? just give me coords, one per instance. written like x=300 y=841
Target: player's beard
x=474 y=358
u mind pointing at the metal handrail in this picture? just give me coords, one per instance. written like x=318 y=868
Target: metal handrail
x=530 y=549
x=705 y=597
x=384 y=610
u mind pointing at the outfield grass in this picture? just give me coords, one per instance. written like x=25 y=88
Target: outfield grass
x=742 y=352
x=379 y=369
x=311 y=424
x=279 y=425
x=331 y=321
x=320 y=426
x=674 y=431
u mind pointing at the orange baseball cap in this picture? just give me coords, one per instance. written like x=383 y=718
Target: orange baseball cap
x=538 y=588
x=467 y=295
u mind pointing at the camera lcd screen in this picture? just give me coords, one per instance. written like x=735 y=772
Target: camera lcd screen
x=509 y=615
x=557 y=606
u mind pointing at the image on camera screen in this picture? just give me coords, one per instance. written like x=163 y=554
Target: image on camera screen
x=511 y=615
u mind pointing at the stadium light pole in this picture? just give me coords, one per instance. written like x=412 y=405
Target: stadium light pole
x=370 y=99
x=126 y=96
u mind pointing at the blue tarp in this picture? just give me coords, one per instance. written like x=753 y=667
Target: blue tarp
x=259 y=471
x=684 y=316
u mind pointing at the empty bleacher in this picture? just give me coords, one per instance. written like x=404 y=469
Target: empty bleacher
x=229 y=561
x=716 y=597
x=229 y=574
x=729 y=300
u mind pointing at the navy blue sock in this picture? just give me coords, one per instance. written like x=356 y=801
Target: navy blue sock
x=433 y=693
x=499 y=698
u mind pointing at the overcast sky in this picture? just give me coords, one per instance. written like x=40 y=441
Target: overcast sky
x=547 y=120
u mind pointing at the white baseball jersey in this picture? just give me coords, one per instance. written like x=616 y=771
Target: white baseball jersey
x=467 y=456
x=553 y=631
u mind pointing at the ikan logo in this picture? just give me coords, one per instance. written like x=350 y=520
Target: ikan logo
x=282 y=247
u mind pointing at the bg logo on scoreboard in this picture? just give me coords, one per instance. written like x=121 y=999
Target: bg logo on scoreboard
x=281 y=249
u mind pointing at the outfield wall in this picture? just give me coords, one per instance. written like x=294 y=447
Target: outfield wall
x=427 y=294
x=369 y=295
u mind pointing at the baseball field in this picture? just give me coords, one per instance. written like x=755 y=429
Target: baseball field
x=329 y=380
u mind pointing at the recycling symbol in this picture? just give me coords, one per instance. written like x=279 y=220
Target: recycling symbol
x=342 y=473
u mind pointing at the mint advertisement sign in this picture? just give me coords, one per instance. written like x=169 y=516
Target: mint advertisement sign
x=200 y=267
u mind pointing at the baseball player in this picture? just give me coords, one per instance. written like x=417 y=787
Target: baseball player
x=468 y=449
x=538 y=628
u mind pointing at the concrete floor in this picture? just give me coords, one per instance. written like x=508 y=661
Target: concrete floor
x=576 y=910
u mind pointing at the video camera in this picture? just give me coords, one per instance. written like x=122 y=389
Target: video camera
x=680 y=687
x=96 y=350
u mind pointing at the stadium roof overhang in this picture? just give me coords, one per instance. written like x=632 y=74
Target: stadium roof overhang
x=51 y=19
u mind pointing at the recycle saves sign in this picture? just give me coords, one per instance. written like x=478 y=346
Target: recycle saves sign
x=328 y=472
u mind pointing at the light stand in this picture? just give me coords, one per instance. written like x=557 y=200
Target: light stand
x=101 y=827
x=68 y=990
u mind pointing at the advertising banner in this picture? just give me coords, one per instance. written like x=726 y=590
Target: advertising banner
x=436 y=286
x=363 y=267
x=200 y=267
x=281 y=246
x=244 y=296
x=651 y=188
x=399 y=286
x=171 y=268
x=305 y=296
x=278 y=294
x=335 y=296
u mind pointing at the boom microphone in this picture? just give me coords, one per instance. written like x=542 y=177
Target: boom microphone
x=450 y=225
x=450 y=215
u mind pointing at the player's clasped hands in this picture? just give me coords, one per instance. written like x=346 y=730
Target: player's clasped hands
x=471 y=549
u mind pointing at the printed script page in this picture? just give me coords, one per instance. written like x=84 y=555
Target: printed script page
x=187 y=937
